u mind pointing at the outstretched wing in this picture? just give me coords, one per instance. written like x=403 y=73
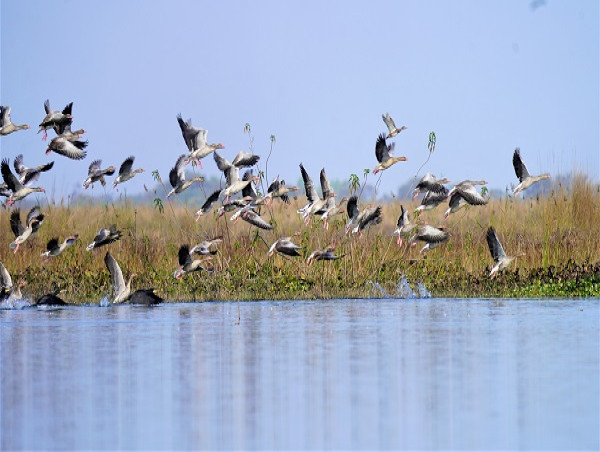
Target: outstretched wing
x=116 y=275
x=382 y=150
x=126 y=166
x=11 y=181
x=311 y=191
x=520 y=168
x=184 y=255
x=325 y=185
x=15 y=222
x=352 y=207
x=494 y=244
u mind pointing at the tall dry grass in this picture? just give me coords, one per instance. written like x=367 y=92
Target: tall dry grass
x=552 y=231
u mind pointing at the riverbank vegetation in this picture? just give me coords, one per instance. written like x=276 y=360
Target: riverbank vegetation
x=558 y=234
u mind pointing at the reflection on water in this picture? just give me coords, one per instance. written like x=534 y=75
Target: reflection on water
x=325 y=374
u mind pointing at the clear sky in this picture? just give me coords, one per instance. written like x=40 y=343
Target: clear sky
x=486 y=76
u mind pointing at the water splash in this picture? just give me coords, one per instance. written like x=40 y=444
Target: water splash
x=423 y=292
x=104 y=303
x=376 y=289
x=403 y=289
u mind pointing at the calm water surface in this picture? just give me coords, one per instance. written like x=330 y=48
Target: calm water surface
x=343 y=374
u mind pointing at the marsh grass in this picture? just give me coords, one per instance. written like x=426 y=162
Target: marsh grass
x=558 y=234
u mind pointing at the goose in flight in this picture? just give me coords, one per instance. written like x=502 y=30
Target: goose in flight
x=96 y=173
x=500 y=258
x=208 y=204
x=29 y=174
x=327 y=254
x=126 y=171
x=207 y=247
x=54 y=118
x=232 y=172
x=252 y=217
x=195 y=140
x=278 y=189
x=332 y=209
x=8 y=291
x=284 y=246
x=319 y=205
x=32 y=224
x=72 y=149
x=405 y=228
x=6 y=125
x=430 y=183
x=463 y=195
x=121 y=291
x=382 y=152
x=19 y=190
x=431 y=236
x=431 y=200
x=53 y=248
x=177 y=177
x=389 y=122
x=188 y=265
x=104 y=237
x=525 y=179
x=358 y=221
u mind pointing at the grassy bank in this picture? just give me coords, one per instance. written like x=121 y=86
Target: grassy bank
x=558 y=234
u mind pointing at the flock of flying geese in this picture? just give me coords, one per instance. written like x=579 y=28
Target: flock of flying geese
x=68 y=143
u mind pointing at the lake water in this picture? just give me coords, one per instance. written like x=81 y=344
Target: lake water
x=340 y=374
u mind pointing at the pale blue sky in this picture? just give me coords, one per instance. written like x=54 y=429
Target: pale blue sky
x=486 y=76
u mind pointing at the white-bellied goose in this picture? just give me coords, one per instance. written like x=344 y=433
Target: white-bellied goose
x=34 y=220
x=53 y=248
x=105 y=237
x=126 y=171
x=71 y=149
x=195 y=140
x=525 y=179
x=232 y=172
x=464 y=194
x=53 y=117
x=120 y=290
x=320 y=206
x=311 y=192
x=465 y=184
x=207 y=247
x=8 y=291
x=431 y=236
x=332 y=209
x=29 y=175
x=382 y=152
x=430 y=183
x=177 y=177
x=96 y=173
x=278 y=189
x=327 y=254
x=252 y=217
x=389 y=122
x=368 y=217
x=188 y=265
x=233 y=204
x=431 y=200
x=6 y=125
x=500 y=258
x=405 y=228
x=19 y=191
x=284 y=246
x=208 y=204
